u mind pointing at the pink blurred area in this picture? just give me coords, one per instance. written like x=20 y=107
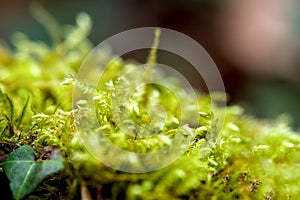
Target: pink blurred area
x=258 y=36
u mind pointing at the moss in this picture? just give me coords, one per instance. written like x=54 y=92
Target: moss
x=248 y=159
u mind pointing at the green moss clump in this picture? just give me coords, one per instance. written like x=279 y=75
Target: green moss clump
x=248 y=159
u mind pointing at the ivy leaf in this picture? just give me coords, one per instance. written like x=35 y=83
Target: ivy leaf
x=25 y=173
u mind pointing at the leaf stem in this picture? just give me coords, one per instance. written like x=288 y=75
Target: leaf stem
x=2 y=158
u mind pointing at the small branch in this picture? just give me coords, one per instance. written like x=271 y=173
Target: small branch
x=99 y=196
x=85 y=193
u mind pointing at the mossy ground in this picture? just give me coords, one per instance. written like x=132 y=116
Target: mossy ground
x=248 y=158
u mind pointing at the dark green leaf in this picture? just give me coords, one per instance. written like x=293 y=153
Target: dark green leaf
x=25 y=173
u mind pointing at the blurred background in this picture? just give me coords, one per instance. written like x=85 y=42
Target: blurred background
x=255 y=43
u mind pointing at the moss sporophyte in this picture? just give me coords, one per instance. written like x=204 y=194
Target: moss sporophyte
x=44 y=157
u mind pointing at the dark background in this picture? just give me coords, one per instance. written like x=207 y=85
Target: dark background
x=255 y=43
